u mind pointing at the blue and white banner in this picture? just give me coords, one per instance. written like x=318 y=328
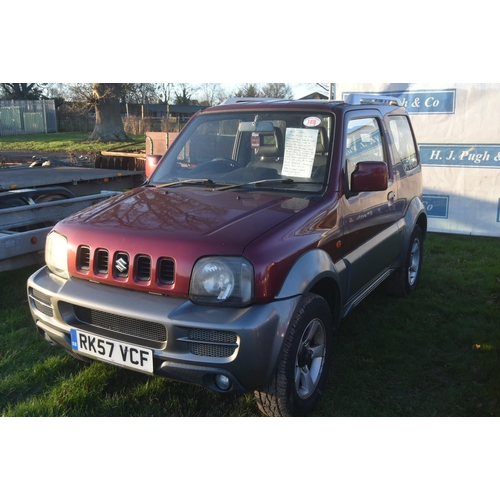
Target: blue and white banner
x=461 y=155
x=457 y=126
x=421 y=101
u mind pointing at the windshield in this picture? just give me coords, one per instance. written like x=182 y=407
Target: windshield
x=272 y=150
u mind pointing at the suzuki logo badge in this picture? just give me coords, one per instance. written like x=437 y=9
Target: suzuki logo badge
x=121 y=264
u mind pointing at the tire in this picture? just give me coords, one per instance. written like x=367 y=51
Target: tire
x=405 y=280
x=302 y=370
x=44 y=198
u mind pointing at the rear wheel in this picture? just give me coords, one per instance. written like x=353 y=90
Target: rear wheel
x=302 y=370
x=405 y=280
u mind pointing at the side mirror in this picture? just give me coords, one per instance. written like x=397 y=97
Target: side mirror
x=151 y=164
x=370 y=176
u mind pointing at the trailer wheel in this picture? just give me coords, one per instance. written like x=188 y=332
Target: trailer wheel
x=44 y=198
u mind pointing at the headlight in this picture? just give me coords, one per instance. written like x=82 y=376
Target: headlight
x=222 y=280
x=56 y=254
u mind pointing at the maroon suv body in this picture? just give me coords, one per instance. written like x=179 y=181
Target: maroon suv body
x=258 y=230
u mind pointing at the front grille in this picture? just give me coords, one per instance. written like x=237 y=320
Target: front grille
x=166 y=273
x=211 y=343
x=212 y=351
x=120 y=324
x=83 y=258
x=121 y=265
x=202 y=335
x=41 y=302
x=101 y=261
x=143 y=268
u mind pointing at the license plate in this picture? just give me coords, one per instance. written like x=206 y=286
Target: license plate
x=112 y=351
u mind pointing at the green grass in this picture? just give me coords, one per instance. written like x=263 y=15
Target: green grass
x=436 y=353
x=60 y=142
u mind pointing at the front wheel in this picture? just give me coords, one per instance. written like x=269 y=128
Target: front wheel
x=403 y=281
x=302 y=370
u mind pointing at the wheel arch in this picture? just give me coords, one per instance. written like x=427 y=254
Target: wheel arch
x=415 y=216
x=422 y=222
x=315 y=272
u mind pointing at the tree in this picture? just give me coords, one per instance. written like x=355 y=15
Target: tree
x=165 y=92
x=108 y=124
x=58 y=92
x=184 y=96
x=248 y=90
x=140 y=93
x=211 y=94
x=278 y=90
x=22 y=91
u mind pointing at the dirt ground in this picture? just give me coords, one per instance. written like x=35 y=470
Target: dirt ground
x=8 y=158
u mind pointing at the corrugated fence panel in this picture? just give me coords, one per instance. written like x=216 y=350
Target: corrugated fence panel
x=27 y=117
x=33 y=123
x=10 y=120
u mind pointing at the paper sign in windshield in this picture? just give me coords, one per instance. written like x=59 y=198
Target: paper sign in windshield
x=300 y=148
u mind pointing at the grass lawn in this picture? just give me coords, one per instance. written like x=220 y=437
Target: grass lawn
x=59 y=142
x=436 y=353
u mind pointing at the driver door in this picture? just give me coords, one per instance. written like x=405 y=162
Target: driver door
x=371 y=233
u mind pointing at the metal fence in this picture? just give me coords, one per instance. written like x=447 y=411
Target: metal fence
x=27 y=117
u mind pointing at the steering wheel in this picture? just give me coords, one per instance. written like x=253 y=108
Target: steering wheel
x=231 y=162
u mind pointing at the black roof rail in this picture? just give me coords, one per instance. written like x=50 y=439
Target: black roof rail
x=355 y=98
x=236 y=100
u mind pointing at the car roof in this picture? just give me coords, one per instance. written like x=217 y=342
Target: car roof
x=353 y=101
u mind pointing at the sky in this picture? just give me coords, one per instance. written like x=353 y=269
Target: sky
x=299 y=89
x=224 y=41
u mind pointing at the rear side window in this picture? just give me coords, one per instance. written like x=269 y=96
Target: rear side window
x=403 y=140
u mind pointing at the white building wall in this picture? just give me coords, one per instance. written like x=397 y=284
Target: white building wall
x=458 y=129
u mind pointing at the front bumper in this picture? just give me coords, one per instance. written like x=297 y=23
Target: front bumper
x=190 y=343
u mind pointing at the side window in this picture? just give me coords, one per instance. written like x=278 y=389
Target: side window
x=364 y=143
x=403 y=140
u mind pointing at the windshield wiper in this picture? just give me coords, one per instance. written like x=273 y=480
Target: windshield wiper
x=271 y=181
x=222 y=186
x=280 y=181
x=205 y=182
x=209 y=183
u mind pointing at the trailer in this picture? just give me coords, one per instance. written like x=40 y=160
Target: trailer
x=80 y=181
x=33 y=199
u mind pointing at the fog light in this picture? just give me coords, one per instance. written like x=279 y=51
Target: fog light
x=223 y=383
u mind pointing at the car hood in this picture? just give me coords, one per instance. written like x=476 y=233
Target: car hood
x=224 y=221
x=179 y=224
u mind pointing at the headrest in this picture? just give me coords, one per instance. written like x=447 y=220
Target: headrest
x=273 y=150
x=322 y=144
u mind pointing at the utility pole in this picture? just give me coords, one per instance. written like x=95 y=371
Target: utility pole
x=330 y=90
